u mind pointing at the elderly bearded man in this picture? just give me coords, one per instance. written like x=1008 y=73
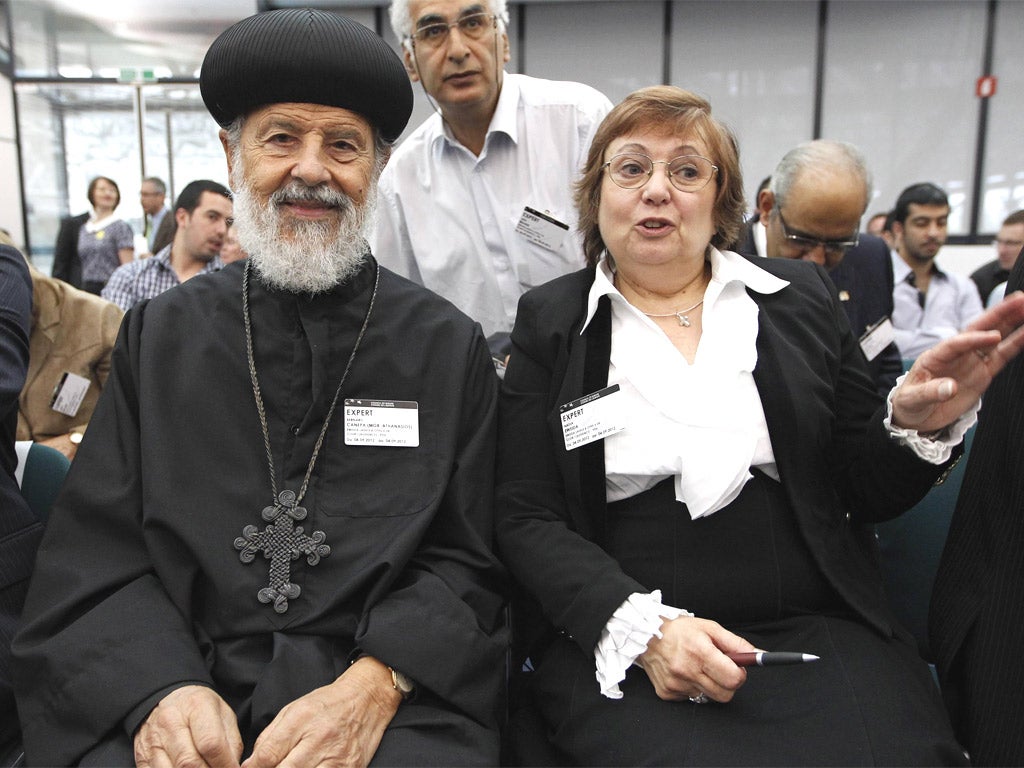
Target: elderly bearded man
x=306 y=417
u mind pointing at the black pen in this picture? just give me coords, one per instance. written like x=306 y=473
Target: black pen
x=770 y=659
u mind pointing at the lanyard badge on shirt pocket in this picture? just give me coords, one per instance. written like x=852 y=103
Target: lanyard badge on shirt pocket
x=877 y=337
x=542 y=229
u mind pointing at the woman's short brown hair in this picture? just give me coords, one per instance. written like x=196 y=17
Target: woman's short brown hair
x=92 y=190
x=676 y=112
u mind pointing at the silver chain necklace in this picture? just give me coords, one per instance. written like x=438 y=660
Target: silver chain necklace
x=679 y=315
x=282 y=541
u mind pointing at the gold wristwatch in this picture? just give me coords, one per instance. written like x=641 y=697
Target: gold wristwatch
x=402 y=683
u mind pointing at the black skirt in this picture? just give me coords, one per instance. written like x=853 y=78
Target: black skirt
x=870 y=700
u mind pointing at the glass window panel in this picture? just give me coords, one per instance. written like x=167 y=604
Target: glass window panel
x=614 y=47
x=29 y=22
x=73 y=133
x=1003 y=180
x=899 y=83
x=755 y=63
x=181 y=139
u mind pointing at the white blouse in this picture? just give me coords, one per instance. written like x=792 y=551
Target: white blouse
x=703 y=423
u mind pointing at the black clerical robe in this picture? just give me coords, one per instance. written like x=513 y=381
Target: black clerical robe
x=139 y=587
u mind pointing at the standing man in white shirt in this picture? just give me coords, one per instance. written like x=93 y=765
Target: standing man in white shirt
x=476 y=204
x=929 y=305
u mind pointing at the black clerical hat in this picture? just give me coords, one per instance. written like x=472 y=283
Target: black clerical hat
x=307 y=56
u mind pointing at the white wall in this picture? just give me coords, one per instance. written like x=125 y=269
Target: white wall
x=964 y=259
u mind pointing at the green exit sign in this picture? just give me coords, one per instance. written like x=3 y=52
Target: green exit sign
x=137 y=75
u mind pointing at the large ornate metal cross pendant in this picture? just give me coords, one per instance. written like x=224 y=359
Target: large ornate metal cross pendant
x=281 y=542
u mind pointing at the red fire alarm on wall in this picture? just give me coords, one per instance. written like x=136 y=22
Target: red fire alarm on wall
x=985 y=87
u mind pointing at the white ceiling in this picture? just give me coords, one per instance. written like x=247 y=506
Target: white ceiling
x=82 y=38
x=141 y=12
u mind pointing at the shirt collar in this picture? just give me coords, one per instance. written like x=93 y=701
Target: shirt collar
x=760 y=233
x=164 y=256
x=726 y=267
x=98 y=224
x=901 y=270
x=504 y=120
x=506 y=112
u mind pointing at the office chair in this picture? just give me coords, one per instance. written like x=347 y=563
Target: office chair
x=911 y=546
x=41 y=471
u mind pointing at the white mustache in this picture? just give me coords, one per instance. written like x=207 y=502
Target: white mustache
x=296 y=191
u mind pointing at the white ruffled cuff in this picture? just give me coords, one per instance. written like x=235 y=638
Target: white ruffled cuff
x=933 y=447
x=626 y=635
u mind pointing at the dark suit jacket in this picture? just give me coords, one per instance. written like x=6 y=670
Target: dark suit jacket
x=976 y=623
x=20 y=531
x=66 y=264
x=841 y=471
x=864 y=281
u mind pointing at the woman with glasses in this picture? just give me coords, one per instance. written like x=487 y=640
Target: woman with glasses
x=691 y=456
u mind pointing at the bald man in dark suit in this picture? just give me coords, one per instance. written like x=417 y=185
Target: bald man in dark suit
x=976 y=624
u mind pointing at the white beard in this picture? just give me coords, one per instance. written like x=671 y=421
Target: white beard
x=301 y=256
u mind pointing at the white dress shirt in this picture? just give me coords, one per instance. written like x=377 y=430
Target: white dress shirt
x=950 y=304
x=447 y=219
x=703 y=423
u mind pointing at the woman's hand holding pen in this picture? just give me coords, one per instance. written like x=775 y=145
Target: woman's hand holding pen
x=948 y=379
x=690 y=659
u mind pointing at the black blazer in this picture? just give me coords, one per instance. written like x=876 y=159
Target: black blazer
x=840 y=469
x=864 y=281
x=976 y=621
x=20 y=530
x=66 y=264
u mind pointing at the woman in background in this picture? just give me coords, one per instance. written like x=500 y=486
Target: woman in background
x=105 y=242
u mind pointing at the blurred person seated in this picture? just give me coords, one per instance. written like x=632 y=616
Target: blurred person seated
x=20 y=531
x=1008 y=244
x=231 y=250
x=824 y=187
x=202 y=214
x=275 y=544
x=929 y=304
x=691 y=459
x=876 y=223
x=105 y=241
x=73 y=333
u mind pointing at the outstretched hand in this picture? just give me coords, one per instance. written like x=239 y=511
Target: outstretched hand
x=948 y=379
